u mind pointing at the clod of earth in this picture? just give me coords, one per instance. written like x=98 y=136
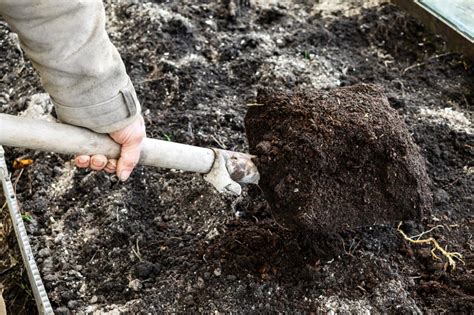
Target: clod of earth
x=336 y=159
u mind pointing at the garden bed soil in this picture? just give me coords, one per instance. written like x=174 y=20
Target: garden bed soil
x=165 y=241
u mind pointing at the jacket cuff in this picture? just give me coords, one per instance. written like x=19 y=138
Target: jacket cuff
x=111 y=115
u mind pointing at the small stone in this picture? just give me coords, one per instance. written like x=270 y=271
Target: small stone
x=45 y=252
x=51 y=277
x=62 y=311
x=135 y=285
x=212 y=25
x=72 y=305
x=47 y=266
x=212 y=234
x=217 y=272
x=58 y=239
x=200 y=283
x=189 y=300
x=93 y=299
x=83 y=288
x=441 y=197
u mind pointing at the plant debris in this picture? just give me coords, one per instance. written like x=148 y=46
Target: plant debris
x=450 y=256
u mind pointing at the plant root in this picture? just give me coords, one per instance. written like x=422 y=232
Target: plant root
x=450 y=256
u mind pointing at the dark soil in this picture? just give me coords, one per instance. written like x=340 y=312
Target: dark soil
x=338 y=159
x=167 y=242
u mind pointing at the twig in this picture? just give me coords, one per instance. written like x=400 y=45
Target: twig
x=454 y=181
x=361 y=288
x=17 y=179
x=278 y=224
x=344 y=247
x=222 y=145
x=138 y=249
x=92 y=258
x=419 y=64
x=418 y=236
x=352 y=250
x=137 y=252
x=449 y=255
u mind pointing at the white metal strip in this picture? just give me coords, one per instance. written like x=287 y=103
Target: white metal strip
x=39 y=292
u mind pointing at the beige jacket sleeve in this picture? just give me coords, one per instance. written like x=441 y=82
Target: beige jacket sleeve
x=79 y=67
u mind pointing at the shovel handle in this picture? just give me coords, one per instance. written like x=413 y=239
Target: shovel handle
x=66 y=139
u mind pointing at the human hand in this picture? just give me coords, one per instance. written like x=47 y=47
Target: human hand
x=131 y=138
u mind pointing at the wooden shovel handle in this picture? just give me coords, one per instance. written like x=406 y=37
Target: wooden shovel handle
x=60 y=138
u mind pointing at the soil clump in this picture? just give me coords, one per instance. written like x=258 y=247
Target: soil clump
x=336 y=159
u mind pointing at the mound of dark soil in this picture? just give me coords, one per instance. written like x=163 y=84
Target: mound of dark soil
x=335 y=159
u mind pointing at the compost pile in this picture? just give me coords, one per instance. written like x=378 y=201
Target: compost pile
x=167 y=242
x=337 y=159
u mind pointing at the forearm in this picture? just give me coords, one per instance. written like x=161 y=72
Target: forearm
x=79 y=67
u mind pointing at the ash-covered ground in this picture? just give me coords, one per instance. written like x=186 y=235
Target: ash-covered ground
x=167 y=242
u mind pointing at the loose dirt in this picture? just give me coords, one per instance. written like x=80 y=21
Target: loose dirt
x=166 y=242
x=337 y=159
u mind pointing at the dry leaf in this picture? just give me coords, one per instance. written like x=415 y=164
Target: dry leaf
x=20 y=163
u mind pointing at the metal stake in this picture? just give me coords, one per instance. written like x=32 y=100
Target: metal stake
x=39 y=292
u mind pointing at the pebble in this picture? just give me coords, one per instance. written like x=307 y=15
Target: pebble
x=212 y=234
x=135 y=285
x=212 y=25
x=441 y=196
x=83 y=288
x=51 y=277
x=217 y=272
x=200 y=283
x=93 y=299
x=45 y=252
x=58 y=239
x=72 y=305
x=62 y=311
x=47 y=266
x=189 y=300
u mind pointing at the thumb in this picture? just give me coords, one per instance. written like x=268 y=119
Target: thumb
x=129 y=156
x=130 y=138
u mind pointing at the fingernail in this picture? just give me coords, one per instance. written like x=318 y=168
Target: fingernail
x=82 y=159
x=98 y=163
x=125 y=175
